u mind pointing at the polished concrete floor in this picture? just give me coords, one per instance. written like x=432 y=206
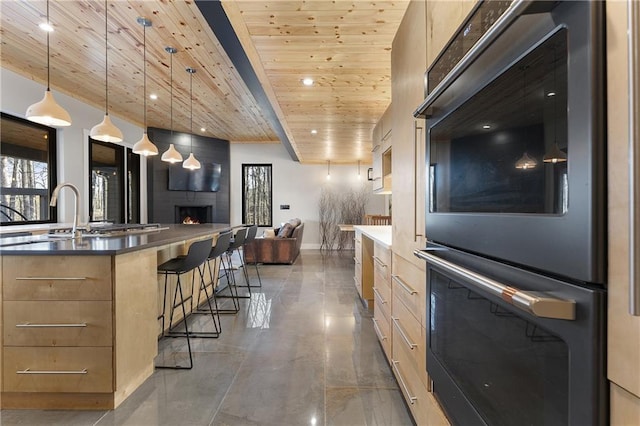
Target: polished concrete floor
x=302 y=351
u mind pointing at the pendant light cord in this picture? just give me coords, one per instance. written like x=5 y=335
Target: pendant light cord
x=171 y=91
x=144 y=71
x=106 y=59
x=191 y=108
x=48 y=61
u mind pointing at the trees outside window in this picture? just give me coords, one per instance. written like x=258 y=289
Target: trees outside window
x=257 y=195
x=27 y=171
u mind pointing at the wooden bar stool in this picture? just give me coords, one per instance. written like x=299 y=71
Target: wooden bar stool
x=194 y=260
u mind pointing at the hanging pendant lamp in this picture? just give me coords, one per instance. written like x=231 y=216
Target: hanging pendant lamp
x=144 y=146
x=191 y=163
x=171 y=155
x=555 y=155
x=48 y=111
x=106 y=131
x=525 y=162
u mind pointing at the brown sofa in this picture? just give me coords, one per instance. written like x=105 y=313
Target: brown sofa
x=278 y=249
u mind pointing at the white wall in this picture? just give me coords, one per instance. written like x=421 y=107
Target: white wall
x=17 y=93
x=296 y=184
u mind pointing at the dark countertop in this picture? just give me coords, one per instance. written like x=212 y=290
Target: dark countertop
x=45 y=244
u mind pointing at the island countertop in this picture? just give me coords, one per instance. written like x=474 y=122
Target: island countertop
x=45 y=244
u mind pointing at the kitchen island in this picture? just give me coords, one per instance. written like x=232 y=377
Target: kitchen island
x=79 y=316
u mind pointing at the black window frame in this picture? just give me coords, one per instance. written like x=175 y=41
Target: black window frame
x=52 y=159
x=269 y=166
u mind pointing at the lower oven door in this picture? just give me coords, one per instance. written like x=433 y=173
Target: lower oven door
x=494 y=362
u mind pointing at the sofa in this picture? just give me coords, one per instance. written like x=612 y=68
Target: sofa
x=283 y=247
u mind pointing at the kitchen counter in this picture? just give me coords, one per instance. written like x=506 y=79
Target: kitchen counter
x=46 y=244
x=379 y=233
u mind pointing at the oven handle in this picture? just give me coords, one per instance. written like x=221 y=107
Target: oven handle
x=502 y=23
x=534 y=303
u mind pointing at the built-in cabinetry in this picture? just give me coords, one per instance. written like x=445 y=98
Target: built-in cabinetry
x=623 y=352
x=363 y=258
x=62 y=346
x=382 y=150
x=423 y=32
x=382 y=295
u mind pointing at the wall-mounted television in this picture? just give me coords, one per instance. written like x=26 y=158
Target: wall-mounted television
x=204 y=179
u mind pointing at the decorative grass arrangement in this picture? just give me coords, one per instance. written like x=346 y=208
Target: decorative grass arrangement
x=344 y=207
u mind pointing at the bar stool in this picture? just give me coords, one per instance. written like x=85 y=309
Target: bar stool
x=251 y=235
x=236 y=243
x=195 y=258
x=218 y=251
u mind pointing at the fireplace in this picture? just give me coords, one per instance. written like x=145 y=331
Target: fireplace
x=193 y=214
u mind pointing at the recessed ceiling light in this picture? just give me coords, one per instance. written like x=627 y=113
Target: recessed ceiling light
x=486 y=126
x=153 y=96
x=314 y=132
x=45 y=26
x=202 y=129
x=307 y=81
x=551 y=94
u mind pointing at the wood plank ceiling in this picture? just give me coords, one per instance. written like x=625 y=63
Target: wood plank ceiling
x=343 y=45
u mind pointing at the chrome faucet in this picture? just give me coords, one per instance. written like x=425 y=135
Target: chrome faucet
x=76 y=211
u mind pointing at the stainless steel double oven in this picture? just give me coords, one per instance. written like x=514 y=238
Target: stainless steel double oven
x=516 y=216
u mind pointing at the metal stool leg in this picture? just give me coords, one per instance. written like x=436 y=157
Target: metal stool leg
x=255 y=265
x=186 y=328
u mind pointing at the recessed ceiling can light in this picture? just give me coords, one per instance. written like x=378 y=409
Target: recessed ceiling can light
x=551 y=94
x=153 y=96
x=202 y=129
x=307 y=81
x=314 y=132
x=486 y=126
x=46 y=26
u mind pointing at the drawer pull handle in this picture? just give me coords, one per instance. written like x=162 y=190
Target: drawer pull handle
x=379 y=262
x=50 y=278
x=30 y=325
x=404 y=285
x=412 y=399
x=402 y=333
x=377 y=330
x=382 y=301
x=29 y=371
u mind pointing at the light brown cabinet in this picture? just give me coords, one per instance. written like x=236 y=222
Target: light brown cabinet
x=623 y=351
x=382 y=153
x=364 y=267
x=78 y=331
x=382 y=296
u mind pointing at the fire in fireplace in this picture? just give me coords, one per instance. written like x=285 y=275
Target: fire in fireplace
x=193 y=214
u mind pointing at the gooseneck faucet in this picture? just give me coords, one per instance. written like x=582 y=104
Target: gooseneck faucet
x=76 y=211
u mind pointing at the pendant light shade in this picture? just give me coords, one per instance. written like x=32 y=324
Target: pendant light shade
x=106 y=131
x=171 y=155
x=144 y=146
x=191 y=163
x=47 y=111
x=525 y=162
x=555 y=155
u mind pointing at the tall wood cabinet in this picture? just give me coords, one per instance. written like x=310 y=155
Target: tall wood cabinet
x=424 y=31
x=623 y=352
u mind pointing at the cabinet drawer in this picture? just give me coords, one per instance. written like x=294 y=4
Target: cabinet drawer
x=409 y=336
x=383 y=254
x=57 y=370
x=382 y=299
x=383 y=331
x=409 y=285
x=56 y=277
x=53 y=323
x=412 y=387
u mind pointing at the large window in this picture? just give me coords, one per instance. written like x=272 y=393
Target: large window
x=256 y=194
x=28 y=173
x=111 y=199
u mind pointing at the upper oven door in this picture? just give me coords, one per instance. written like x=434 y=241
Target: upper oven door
x=515 y=147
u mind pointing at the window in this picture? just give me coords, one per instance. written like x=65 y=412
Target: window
x=27 y=172
x=256 y=194
x=110 y=198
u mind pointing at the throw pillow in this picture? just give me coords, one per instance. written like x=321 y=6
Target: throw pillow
x=285 y=231
x=269 y=233
x=295 y=222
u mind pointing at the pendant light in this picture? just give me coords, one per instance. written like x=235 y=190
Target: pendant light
x=328 y=169
x=106 y=131
x=171 y=155
x=47 y=111
x=191 y=163
x=525 y=162
x=555 y=155
x=359 y=175
x=144 y=146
